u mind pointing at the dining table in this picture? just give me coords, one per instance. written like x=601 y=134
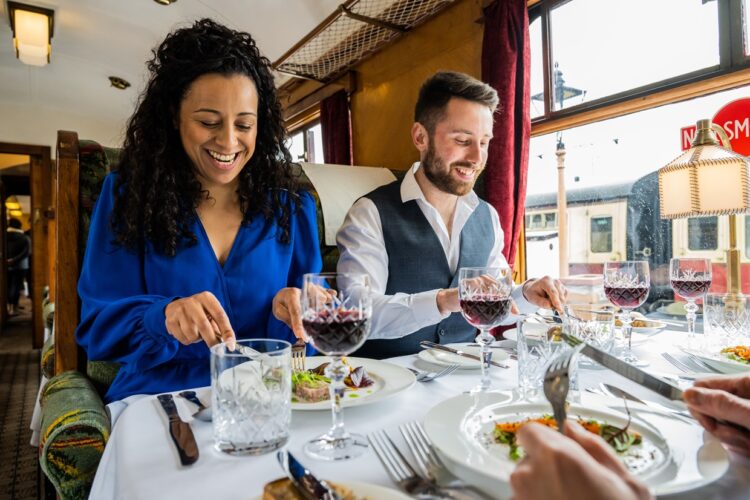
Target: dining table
x=141 y=462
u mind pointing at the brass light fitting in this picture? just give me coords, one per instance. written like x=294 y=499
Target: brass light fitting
x=119 y=83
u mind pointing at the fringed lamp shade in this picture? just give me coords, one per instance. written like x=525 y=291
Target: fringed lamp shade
x=705 y=180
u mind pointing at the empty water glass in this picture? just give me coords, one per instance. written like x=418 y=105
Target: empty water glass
x=535 y=350
x=251 y=397
x=726 y=319
x=593 y=326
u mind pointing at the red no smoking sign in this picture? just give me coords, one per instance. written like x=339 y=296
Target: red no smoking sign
x=734 y=118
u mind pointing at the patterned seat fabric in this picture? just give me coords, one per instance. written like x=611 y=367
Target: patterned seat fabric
x=75 y=428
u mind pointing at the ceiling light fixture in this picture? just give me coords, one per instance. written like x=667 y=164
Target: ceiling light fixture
x=165 y=2
x=33 y=28
x=119 y=83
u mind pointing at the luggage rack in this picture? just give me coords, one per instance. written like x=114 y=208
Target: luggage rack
x=355 y=31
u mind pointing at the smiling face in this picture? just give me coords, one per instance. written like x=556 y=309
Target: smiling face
x=455 y=153
x=218 y=123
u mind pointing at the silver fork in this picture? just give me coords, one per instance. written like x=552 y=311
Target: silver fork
x=430 y=376
x=679 y=364
x=429 y=463
x=557 y=383
x=701 y=364
x=298 y=356
x=399 y=469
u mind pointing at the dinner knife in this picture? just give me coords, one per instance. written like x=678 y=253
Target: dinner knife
x=306 y=483
x=627 y=370
x=181 y=433
x=432 y=345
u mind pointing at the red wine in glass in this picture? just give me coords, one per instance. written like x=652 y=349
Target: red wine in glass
x=339 y=335
x=626 y=297
x=691 y=288
x=485 y=311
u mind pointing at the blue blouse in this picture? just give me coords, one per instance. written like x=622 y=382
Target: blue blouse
x=124 y=293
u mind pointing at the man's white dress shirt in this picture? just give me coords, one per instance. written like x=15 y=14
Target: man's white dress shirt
x=362 y=247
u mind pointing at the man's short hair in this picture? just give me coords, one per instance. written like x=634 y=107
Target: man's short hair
x=14 y=223
x=437 y=90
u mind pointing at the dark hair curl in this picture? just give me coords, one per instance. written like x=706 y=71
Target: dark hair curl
x=157 y=190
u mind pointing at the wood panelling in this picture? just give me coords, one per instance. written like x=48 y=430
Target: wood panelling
x=388 y=83
x=66 y=213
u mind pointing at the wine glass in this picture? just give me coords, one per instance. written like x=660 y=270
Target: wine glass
x=484 y=295
x=690 y=279
x=336 y=311
x=626 y=285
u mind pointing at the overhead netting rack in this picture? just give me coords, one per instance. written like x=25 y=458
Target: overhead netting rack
x=356 y=30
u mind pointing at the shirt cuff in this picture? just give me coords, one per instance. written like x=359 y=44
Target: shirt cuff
x=524 y=306
x=425 y=309
x=154 y=320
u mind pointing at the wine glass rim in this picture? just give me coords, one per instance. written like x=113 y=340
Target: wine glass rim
x=483 y=268
x=690 y=259
x=333 y=274
x=614 y=262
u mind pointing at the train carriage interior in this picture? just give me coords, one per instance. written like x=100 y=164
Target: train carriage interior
x=599 y=100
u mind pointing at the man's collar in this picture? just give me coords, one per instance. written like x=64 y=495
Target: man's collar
x=410 y=189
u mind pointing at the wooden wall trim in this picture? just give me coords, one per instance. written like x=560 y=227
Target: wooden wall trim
x=291 y=111
x=670 y=96
x=66 y=277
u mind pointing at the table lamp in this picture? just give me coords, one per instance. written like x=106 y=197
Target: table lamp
x=708 y=179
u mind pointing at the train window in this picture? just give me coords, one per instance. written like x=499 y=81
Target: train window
x=601 y=234
x=537 y=67
x=536 y=221
x=550 y=220
x=747 y=237
x=703 y=233
x=307 y=144
x=675 y=44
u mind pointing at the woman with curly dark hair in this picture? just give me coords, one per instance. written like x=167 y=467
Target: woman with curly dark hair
x=200 y=233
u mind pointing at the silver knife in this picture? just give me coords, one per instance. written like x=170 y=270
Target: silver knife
x=432 y=345
x=621 y=393
x=627 y=370
x=181 y=433
x=307 y=484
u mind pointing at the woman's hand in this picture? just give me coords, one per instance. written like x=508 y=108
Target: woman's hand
x=580 y=466
x=287 y=308
x=727 y=399
x=199 y=317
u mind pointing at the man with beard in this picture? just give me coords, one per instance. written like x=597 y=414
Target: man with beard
x=412 y=237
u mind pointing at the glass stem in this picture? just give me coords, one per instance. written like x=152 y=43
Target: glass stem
x=337 y=372
x=627 y=324
x=690 y=309
x=484 y=339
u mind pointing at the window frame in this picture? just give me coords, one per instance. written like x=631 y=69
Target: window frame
x=304 y=129
x=732 y=71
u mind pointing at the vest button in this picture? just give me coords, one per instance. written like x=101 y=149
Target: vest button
x=441 y=332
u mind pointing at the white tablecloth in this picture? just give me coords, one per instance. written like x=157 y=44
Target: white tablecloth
x=140 y=461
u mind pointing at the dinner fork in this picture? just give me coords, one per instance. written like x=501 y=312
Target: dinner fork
x=403 y=474
x=701 y=364
x=428 y=462
x=430 y=376
x=557 y=383
x=298 y=356
x=681 y=365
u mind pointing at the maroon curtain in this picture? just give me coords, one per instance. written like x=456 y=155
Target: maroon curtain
x=505 y=66
x=335 y=123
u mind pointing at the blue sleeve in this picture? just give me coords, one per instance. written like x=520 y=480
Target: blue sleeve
x=119 y=320
x=305 y=256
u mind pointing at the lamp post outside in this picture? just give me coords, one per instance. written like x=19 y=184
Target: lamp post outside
x=560 y=93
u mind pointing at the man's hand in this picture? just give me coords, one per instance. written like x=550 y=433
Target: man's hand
x=724 y=398
x=199 y=317
x=447 y=300
x=546 y=293
x=580 y=466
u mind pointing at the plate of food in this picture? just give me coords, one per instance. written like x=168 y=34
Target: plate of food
x=643 y=325
x=730 y=359
x=444 y=358
x=369 y=380
x=282 y=489
x=677 y=309
x=478 y=436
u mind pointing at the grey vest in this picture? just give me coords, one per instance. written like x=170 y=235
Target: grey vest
x=417 y=263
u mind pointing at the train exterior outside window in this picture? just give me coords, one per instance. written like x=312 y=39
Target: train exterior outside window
x=703 y=233
x=601 y=234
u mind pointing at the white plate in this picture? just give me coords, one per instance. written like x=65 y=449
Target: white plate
x=691 y=460
x=367 y=490
x=718 y=361
x=389 y=380
x=655 y=326
x=443 y=358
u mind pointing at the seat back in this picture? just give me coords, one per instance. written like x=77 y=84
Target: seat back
x=81 y=169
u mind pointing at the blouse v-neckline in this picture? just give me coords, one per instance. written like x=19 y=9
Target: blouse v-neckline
x=222 y=266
